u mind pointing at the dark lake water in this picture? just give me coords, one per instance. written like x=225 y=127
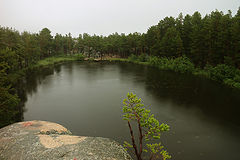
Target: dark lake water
x=87 y=99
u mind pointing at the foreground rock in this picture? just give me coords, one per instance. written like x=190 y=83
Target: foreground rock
x=45 y=140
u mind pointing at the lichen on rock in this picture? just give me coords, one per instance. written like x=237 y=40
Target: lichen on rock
x=46 y=140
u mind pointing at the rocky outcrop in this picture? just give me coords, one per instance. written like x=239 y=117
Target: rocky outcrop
x=37 y=140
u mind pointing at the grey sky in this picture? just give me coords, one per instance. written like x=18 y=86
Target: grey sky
x=101 y=17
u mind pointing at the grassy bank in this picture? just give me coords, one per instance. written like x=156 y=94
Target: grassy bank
x=225 y=74
x=47 y=62
x=58 y=59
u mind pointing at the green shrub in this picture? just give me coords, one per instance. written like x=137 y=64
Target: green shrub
x=80 y=57
x=222 y=72
x=229 y=82
x=133 y=58
x=237 y=78
x=180 y=64
x=154 y=61
x=142 y=58
x=236 y=85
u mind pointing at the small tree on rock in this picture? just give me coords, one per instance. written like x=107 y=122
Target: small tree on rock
x=149 y=128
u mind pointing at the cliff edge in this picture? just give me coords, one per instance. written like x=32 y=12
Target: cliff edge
x=36 y=140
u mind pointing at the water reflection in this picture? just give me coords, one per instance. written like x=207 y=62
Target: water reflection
x=86 y=98
x=212 y=98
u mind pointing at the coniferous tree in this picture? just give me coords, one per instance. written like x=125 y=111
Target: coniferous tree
x=196 y=38
x=171 y=43
x=235 y=29
x=45 y=41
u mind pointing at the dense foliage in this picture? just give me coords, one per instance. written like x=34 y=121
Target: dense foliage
x=182 y=44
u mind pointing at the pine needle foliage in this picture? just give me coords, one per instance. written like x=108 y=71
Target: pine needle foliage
x=149 y=129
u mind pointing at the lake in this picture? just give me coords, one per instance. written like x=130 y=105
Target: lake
x=87 y=99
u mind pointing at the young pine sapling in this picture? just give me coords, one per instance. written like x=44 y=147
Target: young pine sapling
x=149 y=128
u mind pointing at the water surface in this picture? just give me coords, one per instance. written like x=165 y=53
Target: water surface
x=87 y=99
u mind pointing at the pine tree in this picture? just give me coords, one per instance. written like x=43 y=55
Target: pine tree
x=171 y=43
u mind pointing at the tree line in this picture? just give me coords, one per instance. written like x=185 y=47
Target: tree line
x=210 y=40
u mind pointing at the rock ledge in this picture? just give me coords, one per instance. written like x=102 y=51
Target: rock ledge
x=36 y=140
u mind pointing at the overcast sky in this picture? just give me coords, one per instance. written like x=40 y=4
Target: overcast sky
x=101 y=17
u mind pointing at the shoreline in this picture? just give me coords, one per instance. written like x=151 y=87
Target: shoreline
x=51 y=61
x=209 y=73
